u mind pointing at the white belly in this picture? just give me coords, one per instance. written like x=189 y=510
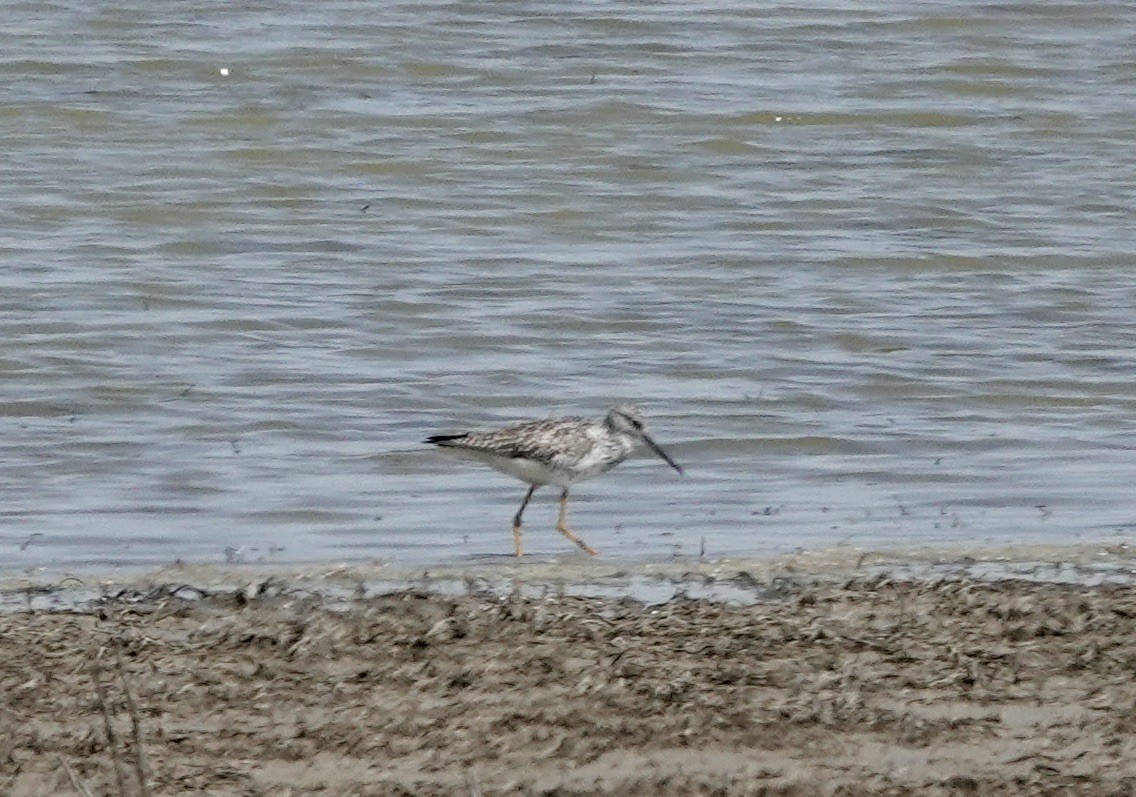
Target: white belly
x=534 y=472
x=526 y=470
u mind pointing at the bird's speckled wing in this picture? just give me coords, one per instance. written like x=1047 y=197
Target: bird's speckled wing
x=557 y=442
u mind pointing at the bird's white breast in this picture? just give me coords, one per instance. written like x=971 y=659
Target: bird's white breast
x=606 y=452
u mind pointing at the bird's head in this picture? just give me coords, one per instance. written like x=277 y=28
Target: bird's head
x=625 y=418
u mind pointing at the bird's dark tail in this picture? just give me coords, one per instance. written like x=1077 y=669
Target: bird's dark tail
x=444 y=439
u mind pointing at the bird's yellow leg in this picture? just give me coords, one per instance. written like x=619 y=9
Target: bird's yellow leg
x=562 y=524
x=520 y=546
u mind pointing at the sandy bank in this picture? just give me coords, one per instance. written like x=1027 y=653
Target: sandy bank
x=838 y=674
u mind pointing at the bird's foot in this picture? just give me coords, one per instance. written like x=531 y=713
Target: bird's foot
x=583 y=545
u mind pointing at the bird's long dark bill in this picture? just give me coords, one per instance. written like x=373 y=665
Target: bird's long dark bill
x=663 y=454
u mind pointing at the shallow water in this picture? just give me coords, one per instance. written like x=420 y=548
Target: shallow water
x=867 y=269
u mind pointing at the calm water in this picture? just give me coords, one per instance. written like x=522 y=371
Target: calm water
x=869 y=270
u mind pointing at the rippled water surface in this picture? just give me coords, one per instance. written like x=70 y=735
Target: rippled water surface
x=869 y=270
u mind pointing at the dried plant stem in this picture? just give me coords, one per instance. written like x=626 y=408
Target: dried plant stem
x=112 y=737
x=135 y=724
x=79 y=785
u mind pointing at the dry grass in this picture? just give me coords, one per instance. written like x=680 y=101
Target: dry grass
x=117 y=748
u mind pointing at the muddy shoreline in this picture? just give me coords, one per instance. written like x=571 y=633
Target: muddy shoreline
x=849 y=674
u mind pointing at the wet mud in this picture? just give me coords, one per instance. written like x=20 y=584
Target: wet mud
x=854 y=686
